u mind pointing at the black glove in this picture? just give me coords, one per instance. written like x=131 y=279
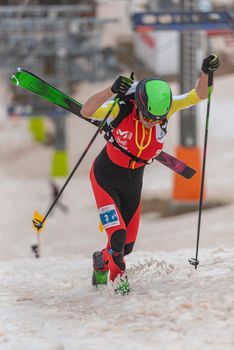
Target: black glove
x=121 y=85
x=210 y=64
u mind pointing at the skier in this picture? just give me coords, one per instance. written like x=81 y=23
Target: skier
x=137 y=128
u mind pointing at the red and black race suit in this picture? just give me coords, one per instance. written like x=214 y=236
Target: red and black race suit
x=117 y=185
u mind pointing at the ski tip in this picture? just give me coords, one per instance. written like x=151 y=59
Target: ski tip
x=188 y=172
x=14 y=80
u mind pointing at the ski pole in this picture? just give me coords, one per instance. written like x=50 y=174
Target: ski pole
x=38 y=219
x=195 y=261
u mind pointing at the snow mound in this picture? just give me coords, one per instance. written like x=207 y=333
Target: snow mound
x=50 y=304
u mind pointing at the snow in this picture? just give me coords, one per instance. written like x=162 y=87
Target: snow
x=49 y=303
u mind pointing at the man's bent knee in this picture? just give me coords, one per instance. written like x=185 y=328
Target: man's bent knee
x=117 y=241
x=128 y=248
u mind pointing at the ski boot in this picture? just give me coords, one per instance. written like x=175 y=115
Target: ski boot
x=99 y=275
x=123 y=286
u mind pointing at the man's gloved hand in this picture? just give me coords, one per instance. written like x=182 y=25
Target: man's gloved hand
x=121 y=85
x=210 y=64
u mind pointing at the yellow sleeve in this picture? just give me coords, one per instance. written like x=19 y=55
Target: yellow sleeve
x=102 y=111
x=183 y=101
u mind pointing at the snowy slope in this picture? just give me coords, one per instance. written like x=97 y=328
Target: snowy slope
x=50 y=305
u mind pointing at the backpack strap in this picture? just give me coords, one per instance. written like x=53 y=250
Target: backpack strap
x=109 y=137
x=127 y=105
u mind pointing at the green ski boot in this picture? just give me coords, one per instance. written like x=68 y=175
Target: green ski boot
x=99 y=276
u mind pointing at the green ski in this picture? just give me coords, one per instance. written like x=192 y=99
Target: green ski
x=33 y=83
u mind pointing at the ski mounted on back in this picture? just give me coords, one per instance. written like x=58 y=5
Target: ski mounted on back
x=33 y=83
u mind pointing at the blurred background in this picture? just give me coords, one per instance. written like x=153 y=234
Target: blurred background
x=80 y=47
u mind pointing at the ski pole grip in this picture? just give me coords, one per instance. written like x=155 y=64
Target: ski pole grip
x=210 y=78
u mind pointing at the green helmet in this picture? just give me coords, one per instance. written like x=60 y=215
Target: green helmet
x=153 y=98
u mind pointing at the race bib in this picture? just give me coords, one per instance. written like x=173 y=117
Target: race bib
x=109 y=216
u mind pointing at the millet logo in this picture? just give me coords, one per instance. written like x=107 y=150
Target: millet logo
x=122 y=137
x=124 y=134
